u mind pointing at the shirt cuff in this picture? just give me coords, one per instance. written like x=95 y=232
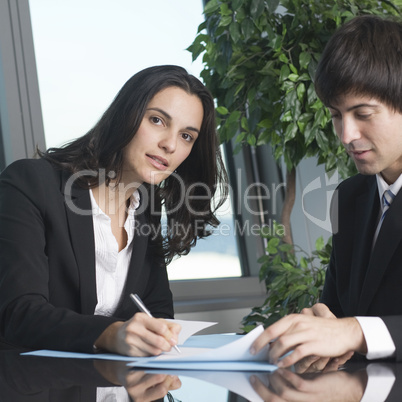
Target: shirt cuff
x=380 y=380
x=378 y=339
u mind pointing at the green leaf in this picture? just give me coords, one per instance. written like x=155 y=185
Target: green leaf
x=234 y=117
x=322 y=141
x=251 y=140
x=300 y=90
x=274 y=242
x=273 y=5
x=293 y=77
x=244 y=123
x=247 y=28
x=240 y=137
x=225 y=10
x=269 y=68
x=234 y=30
x=222 y=110
x=291 y=131
x=211 y=7
x=283 y=58
x=319 y=243
x=305 y=117
x=236 y=4
x=225 y=21
x=266 y=123
x=285 y=71
x=239 y=88
x=256 y=8
x=294 y=69
x=310 y=134
x=272 y=250
x=320 y=117
x=287 y=116
x=304 y=59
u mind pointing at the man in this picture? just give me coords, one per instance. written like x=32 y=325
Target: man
x=359 y=79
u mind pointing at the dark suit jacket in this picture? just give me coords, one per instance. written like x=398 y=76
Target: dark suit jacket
x=47 y=263
x=361 y=282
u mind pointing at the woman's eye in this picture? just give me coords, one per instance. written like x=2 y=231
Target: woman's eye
x=156 y=120
x=187 y=137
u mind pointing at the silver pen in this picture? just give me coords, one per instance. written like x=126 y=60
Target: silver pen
x=140 y=304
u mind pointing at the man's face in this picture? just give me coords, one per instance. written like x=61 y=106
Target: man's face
x=371 y=133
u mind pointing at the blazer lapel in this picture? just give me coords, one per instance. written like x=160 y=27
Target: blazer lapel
x=79 y=217
x=388 y=240
x=366 y=210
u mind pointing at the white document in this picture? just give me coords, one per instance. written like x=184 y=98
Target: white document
x=189 y=328
x=227 y=357
x=237 y=382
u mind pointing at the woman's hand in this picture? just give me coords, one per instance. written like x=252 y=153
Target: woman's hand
x=141 y=386
x=146 y=387
x=139 y=336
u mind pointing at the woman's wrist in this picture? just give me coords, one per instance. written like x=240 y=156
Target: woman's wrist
x=107 y=340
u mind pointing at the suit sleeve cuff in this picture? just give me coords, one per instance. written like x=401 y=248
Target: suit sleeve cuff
x=378 y=339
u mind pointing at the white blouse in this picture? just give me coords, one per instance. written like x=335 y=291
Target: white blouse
x=111 y=265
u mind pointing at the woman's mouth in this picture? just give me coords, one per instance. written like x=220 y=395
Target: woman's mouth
x=159 y=162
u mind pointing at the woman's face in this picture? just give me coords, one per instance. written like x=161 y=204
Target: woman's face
x=167 y=133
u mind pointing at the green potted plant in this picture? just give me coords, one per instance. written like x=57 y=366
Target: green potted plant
x=259 y=60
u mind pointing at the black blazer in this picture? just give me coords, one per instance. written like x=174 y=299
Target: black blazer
x=362 y=281
x=47 y=263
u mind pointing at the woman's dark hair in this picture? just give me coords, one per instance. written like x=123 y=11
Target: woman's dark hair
x=197 y=178
x=363 y=57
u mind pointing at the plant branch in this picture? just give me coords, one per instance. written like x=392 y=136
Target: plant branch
x=288 y=204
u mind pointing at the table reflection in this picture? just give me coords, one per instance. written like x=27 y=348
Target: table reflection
x=32 y=378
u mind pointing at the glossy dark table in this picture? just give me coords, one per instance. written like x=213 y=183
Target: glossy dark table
x=41 y=379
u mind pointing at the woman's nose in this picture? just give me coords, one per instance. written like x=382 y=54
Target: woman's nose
x=168 y=142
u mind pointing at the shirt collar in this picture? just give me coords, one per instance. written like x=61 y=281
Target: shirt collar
x=382 y=185
x=134 y=201
x=134 y=204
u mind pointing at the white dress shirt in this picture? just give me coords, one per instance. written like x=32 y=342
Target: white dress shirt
x=111 y=265
x=378 y=339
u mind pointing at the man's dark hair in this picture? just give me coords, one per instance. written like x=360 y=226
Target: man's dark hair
x=363 y=57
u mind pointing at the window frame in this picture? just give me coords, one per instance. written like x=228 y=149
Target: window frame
x=20 y=108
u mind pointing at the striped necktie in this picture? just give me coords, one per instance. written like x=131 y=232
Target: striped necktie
x=387 y=199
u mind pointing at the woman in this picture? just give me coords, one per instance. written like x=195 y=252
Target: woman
x=80 y=226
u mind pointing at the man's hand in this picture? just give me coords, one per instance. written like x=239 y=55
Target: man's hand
x=307 y=335
x=316 y=363
x=139 y=336
x=335 y=386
